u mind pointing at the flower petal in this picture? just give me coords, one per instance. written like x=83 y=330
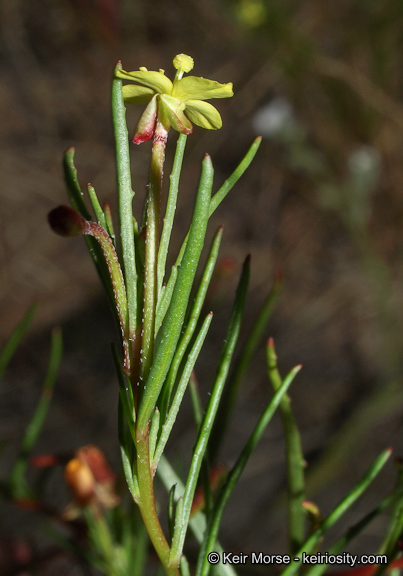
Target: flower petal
x=145 y=127
x=133 y=94
x=203 y=114
x=157 y=81
x=172 y=109
x=195 y=88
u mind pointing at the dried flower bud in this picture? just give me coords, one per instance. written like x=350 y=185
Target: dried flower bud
x=80 y=480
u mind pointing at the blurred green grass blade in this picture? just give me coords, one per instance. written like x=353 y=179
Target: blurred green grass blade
x=294 y=456
x=170 y=209
x=248 y=351
x=179 y=393
x=391 y=545
x=17 y=476
x=14 y=340
x=213 y=403
x=394 y=497
x=210 y=538
x=235 y=176
x=191 y=324
x=339 y=510
x=99 y=213
x=171 y=328
x=197 y=522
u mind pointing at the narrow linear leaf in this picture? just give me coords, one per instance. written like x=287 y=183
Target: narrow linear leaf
x=225 y=189
x=77 y=201
x=192 y=323
x=212 y=406
x=338 y=511
x=125 y=453
x=295 y=458
x=176 y=403
x=172 y=325
x=354 y=531
x=165 y=299
x=197 y=522
x=125 y=197
x=17 y=476
x=210 y=538
x=241 y=366
x=99 y=213
x=126 y=394
x=235 y=176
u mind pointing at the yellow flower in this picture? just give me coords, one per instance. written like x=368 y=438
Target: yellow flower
x=177 y=103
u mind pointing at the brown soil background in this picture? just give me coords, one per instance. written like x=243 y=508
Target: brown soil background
x=339 y=65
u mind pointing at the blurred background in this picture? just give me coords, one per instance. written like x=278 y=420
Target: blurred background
x=322 y=202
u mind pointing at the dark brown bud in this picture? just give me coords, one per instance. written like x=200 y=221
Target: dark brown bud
x=67 y=222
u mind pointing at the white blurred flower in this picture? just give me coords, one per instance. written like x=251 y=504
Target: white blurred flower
x=365 y=161
x=274 y=118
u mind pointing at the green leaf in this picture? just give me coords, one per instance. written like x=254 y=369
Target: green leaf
x=197 y=522
x=192 y=323
x=17 y=476
x=99 y=213
x=172 y=325
x=212 y=406
x=210 y=538
x=183 y=382
x=339 y=511
x=241 y=366
x=14 y=340
x=125 y=197
x=295 y=458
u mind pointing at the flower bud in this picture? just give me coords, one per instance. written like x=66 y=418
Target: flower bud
x=67 y=222
x=80 y=480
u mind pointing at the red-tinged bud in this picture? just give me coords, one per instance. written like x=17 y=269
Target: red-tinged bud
x=91 y=480
x=146 y=126
x=67 y=222
x=94 y=458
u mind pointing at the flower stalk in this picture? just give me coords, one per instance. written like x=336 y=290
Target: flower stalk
x=151 y=248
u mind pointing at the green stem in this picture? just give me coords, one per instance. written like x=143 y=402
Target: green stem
x=151 y=249
x=147 y=504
